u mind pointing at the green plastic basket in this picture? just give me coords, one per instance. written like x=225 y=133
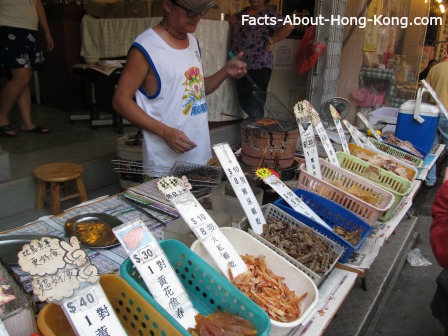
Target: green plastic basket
x=398 y=186
x=399 y=154
x=209 y=291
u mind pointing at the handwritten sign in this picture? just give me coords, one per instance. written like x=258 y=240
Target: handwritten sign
x=90 y=313
x=241 y=186
x=288 y=195
x=303 y=117
x=156 y=271
x=337 y=122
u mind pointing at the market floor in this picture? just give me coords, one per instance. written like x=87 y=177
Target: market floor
x=406 y=312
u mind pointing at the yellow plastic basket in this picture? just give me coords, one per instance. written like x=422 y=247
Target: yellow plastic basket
x=136 y=314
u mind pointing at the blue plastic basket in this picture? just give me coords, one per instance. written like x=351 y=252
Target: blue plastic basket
x=209 y=291
x=334 y=215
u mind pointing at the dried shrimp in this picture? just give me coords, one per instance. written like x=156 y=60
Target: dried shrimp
x=268 y=290
x=222 y=324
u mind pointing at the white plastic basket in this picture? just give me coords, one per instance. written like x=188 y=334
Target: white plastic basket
x=367 y=211
x=295 y=279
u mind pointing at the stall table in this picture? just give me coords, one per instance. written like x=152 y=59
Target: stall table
x=343 y=307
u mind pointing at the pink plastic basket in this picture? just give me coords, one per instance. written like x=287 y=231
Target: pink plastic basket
x=367 y=211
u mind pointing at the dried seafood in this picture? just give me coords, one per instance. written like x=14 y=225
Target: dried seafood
x=353 y=237
x=382 y=161
x=268 y=290
x=357 y=191
x=222 y=324
x=301 y=243
x=406 y=145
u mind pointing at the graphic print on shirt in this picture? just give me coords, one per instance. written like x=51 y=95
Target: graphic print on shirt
x=193 y=100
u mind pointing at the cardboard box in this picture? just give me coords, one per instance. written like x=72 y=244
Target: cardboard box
x=138 y=9
x=106 y=10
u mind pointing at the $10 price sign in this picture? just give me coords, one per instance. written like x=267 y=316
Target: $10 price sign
x=241 y=187
x=156 y=271
x=203 y=226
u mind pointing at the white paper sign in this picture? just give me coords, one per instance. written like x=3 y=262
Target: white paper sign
x=337 y=122
x=369 y=126
x=289 y=196
x=156 y=271
x=241 y=186
x=90 y=313
x=203 y=226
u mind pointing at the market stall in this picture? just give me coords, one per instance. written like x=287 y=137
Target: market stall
x=375 y=261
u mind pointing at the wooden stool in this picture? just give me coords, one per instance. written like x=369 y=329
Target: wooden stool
x=58 y=173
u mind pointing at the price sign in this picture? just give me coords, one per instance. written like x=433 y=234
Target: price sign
x=337 y=122
x=369 y=126
x=366 y=142
x=354 y=134
x=156 y=271
x=317 y=124
x=241 y=186
x=288 y=195
x=204 y=228
x=303 y=117
x=90 y=313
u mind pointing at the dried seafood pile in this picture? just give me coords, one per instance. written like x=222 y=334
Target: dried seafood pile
x=353 y=237
x=300 y=243
x=383 y=161
x=268 y=290
x=222 y=323
x=354 y=190
x=406 y=145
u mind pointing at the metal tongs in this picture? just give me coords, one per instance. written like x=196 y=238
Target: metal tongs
x=137 y=207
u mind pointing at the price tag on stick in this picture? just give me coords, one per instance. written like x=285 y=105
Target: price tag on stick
x=203 y=226
x=90 y=313
x=303 y=118
x=156 y=271
x=354 y=134
x=337 y=122
x=369 y=126
x=288 y=195
x=241 y=186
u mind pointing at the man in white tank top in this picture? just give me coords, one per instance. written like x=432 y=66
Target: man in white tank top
x=164 y=72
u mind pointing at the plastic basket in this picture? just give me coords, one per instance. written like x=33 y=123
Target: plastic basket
x=397 y=185
x=395 y=152
x=411 y=171
x=334 y=215
x=269 y=210
x=209 y=291
x=366 y=211
x=137 y=315
x=294 y=278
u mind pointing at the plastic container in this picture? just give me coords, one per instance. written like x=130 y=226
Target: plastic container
x=397 y=185
x=223 y=200
x=270 y=210
x=208 y=290
x=399 y=154
x=137 y=316
x=411 y=170
x=295 y=279
x=420 y=135
x=384 y=114
x=330 y=173
x=334 y=215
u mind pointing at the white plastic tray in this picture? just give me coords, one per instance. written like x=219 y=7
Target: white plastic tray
x=295 y=279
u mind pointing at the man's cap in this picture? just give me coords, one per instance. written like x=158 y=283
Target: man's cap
x=198 y=6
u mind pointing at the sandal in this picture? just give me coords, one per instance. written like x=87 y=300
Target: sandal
x=5 y=131
x=37 y=129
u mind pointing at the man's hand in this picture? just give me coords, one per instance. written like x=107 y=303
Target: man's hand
x=236 y=67
x=178 y=141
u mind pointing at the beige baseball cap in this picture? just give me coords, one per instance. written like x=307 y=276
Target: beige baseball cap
x=198 y=6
